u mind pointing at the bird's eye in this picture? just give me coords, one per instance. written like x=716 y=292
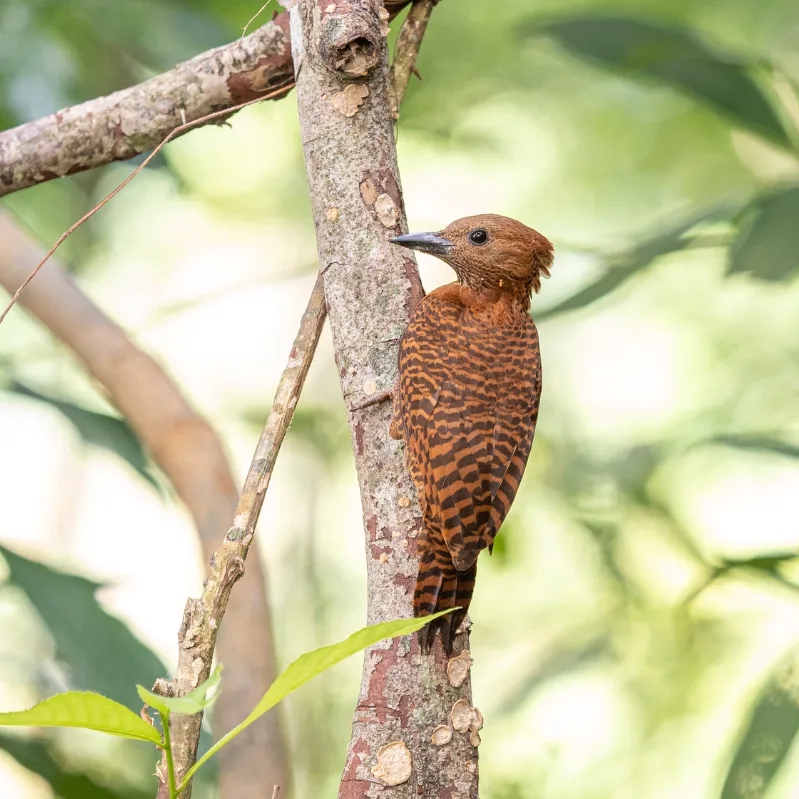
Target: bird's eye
x=478 y=236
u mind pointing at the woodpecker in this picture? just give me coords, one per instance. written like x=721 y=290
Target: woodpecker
x=466 y=402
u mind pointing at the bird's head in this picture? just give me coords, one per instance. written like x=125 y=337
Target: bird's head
x=489 y=252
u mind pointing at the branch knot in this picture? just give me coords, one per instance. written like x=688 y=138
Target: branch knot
x=350 y=38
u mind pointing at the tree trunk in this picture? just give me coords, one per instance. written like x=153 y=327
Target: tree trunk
x=341 y=68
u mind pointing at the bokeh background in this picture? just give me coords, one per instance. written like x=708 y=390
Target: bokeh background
x=636 y=631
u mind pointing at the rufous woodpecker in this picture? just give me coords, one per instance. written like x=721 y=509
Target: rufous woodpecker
x=466 y=403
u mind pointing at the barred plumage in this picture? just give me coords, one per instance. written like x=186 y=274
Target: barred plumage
x=467 y=400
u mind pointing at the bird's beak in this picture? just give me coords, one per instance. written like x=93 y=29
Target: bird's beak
x=431 y=243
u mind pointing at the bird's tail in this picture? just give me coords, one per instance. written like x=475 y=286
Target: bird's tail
x=440 y=586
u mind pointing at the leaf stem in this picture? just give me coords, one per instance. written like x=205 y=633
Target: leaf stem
x=170 y=763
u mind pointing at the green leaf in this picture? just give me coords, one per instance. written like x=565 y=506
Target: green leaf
x=85 y=710
x=768 y=242
x=99 y=651
x=759 y=444
x=768 y=564
x=193 y=702
x=625 y=265
x=309 y=665
x=768 y=736
x=677 y=57
x=41 y=758
x=98 y=429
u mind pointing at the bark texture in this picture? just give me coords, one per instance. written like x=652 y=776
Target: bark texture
x=191 y=455
x=370 y=288
x=134 y=120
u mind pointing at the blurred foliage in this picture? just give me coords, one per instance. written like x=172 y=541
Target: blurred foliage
x=673 y=56
x=649 y=565
x=100 y=654
x=620 y=267
x=767 y=245
x=98 y=429
x=37 y=756
x=768 y=737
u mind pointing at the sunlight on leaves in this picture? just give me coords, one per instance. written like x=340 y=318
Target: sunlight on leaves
x=85 y=710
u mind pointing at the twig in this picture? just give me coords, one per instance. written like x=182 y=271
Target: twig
x=67 y=233
x=202 y=617
x=407 y=50
x=192 y=457
x=253 y=18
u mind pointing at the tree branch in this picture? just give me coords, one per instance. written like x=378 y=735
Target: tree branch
x=408 y=43
x=370 y=288
x=191 y=455
x=202 y=617
x=134 y=120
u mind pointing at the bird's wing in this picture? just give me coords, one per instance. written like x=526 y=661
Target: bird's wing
x=468 y=423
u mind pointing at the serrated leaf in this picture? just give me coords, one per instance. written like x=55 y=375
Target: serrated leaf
x=767 y=245
x=99 y=652
x=768 y=736
x=676 y=57
x=98 y=429
x=311 y=664
x=193 y=702
x=87 y=711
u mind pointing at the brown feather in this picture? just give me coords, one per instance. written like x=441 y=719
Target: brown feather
x=467 y=404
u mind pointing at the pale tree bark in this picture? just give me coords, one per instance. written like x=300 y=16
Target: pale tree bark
x=341 y=70
x=192 y=457
x=134 y=120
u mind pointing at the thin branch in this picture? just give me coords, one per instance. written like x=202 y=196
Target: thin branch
x=192 y=457
x=203 y=617
x=67 y=233
x=131 y=121
x=408 y=43
x=254 y=17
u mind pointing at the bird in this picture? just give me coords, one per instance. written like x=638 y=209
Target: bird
x=466 y=401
